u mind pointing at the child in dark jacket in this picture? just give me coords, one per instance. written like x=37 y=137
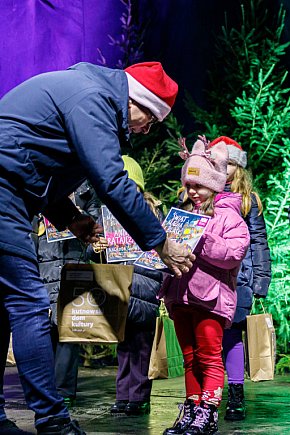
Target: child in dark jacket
x=133 y=387
x=203 y=302
x=254 y=275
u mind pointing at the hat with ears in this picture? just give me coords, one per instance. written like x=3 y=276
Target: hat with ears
x=236 y=153
x=151 y=87
x=134 y=171
x=204 y=167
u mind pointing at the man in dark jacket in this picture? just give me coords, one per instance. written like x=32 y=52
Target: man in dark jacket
x=56 y=129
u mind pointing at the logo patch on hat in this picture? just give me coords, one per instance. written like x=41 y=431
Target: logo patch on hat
x=193 y=171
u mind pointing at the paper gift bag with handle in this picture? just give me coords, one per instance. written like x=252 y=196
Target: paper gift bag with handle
x=166 y=359
x=261 y=347
x=93 y=302
x=10 y=357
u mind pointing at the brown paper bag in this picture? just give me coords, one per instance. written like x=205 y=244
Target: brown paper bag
x=261 y=347
x=10 y=357
x=166 y=359
x=158 y=360
x=93 y=302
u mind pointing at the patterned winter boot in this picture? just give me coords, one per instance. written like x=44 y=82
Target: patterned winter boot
x=205 y=422
x=236 y=409
x=182 y=423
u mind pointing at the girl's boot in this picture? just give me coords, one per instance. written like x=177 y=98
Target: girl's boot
x=182 y=423
x=236 y=409
x=205 y=422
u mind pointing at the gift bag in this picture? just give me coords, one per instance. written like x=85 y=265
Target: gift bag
x=260 y=347
x=10 y=357
x=93 y=302
x=166 y=359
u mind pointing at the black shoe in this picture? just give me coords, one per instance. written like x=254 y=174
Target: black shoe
x=182 y=423
x=205 y=422
x=119 y=407
x=137 y=408
x=70 y=402
x=236 y=409
x=7 y=427
x=60 y=426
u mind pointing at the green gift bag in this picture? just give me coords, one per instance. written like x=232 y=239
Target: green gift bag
x=166 y=357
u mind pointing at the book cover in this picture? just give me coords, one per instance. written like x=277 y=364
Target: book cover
x=53 y=235
x=182 y=227
x=121 y=245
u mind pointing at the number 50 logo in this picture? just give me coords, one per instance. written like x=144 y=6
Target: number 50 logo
x=95 y=297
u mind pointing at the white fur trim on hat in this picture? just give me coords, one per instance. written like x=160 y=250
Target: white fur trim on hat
x=146 y=98
x=237 y=155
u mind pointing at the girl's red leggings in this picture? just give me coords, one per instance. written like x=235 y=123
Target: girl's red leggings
x=200 y=335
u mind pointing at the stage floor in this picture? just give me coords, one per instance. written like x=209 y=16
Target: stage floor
x=268 y=406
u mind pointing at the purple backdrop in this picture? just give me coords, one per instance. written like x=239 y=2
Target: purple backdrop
x=46 y=35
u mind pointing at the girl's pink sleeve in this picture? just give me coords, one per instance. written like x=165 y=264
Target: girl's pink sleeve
x=228 y=250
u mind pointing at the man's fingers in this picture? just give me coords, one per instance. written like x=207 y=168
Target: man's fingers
x=192 y=257
x=176 y=272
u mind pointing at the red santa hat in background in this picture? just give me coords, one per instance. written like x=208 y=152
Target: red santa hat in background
x=236 y=153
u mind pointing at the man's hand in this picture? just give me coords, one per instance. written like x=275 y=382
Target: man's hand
x=86 y=229
x=175 y=256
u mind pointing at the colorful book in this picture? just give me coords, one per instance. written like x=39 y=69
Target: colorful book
x=182 y=227
x=53 y=235
x=121 y=245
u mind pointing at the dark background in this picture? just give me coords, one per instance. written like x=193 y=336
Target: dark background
x=47 y=35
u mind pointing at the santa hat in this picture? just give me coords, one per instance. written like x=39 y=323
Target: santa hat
x=204 y=167
x=236 y=153
x=151 y=87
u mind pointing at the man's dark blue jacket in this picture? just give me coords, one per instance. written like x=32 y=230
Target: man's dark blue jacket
x=56 y=129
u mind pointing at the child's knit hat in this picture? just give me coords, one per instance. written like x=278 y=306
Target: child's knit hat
x=134 y=171
x=236 y=153
x=151 y=87
x=204 y=167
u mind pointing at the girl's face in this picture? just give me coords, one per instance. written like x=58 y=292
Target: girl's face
x=197 y=193
x=231 y=169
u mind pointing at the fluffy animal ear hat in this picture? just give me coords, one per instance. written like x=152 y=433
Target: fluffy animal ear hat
x=205 y=167
x=150 y=86
x=236 y=153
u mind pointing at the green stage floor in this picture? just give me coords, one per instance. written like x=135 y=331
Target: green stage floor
x=268 y=406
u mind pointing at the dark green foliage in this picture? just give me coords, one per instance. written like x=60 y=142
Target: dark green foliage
x=158 y=156
x=283 y=365
x=278 y=300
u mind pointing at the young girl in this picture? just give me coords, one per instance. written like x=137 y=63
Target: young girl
x=202 y=303
x=253 y=279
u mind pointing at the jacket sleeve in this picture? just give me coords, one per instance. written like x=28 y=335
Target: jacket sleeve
x=228 y=250
x=95 y=127
x=260 y=253
x=61 y=213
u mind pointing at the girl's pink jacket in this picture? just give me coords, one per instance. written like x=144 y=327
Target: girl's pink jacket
x=211 y=282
